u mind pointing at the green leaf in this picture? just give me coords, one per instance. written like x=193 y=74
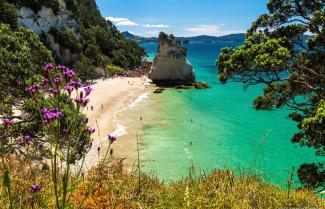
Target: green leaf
x=6 y=178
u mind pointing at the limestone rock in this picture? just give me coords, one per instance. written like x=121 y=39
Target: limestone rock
x=42 y=21
x=171 y=64
x=201 y=85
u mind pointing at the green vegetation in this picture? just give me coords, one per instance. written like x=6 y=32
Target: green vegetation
x=95 y=42
x=8 y=14
x=22 y=56
x=114 y=188
x=114 y=70
x=276 y=53
x=36 y=5
x=68 y=39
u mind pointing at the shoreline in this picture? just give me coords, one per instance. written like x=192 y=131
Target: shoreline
x=110 y=98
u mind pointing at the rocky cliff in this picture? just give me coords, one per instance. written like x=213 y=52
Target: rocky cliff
x=170 y=63
x=47 y=19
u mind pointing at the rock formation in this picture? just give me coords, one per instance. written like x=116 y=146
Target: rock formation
x=45 y=20
x=170 y=64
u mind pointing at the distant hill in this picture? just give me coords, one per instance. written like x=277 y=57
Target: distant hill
x=233 y=38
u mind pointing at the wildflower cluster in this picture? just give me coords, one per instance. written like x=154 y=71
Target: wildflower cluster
x=63 y=128
x=50 y=114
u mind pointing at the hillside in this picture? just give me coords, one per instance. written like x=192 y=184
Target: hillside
x=232 y=38
x=76 y=33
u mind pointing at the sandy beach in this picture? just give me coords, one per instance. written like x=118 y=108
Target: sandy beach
x=109 y=98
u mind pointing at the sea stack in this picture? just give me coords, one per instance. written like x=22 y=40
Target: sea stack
x=170 y=65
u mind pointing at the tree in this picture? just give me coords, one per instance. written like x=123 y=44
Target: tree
x=8 y=14
x=292 y=65
x=22 y=56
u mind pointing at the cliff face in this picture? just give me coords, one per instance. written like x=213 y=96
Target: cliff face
x=45 y=20
x=171 y=64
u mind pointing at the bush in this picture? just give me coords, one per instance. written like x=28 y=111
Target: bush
x=114 y=70
x=8 y=14
x=22 y=56
x=85 y=68
x=36 y=5
x=67 y=39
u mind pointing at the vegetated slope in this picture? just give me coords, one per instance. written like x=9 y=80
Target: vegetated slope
x=76 y=32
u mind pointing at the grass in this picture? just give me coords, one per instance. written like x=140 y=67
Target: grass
x=115 y=188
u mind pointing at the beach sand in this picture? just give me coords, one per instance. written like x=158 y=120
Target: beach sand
x=109 y=98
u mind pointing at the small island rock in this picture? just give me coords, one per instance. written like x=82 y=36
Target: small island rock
x=170 y=64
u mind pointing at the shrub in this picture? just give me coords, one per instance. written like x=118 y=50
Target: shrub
x=65 y=139
x=114 y=70
x=85 y=68
x=8 y=14
x=22 y=56
x=67 y=39
x=36 y=5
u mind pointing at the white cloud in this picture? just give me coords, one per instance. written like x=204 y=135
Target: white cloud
x=121 y=21
x=155 y=26
x=212 y=30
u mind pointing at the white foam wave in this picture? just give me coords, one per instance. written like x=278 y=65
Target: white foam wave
x=120 y=130
x=139 y=99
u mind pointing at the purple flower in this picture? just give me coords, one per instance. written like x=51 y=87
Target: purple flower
x=82 y=102
x=48 y=67
x=7 y=122
x=68 y=73
x=88 y=90
x=26 y=138
x=33 y=89
x=61 y=68
x=6 y=135
x=57 y=80
x=51 y=114
x=90 y=130
x=36 y=87
x=112 y=138
x=35 y=188
x=69 y=89
x=45 y=81
x=75 y=84
x=40 y=146
x=54 y=92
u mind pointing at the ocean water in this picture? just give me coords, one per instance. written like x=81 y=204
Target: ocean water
x=216 y=128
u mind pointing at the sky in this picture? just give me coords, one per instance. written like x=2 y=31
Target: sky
x=182 y=17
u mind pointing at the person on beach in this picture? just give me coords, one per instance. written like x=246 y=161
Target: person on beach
x=92 y=108
x=102 y=106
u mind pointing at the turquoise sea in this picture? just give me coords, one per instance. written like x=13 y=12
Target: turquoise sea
x=216 y=128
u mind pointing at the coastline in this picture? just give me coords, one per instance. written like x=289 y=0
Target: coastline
x=110 y=98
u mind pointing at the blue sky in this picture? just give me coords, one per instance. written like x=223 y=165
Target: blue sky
x=182 y=17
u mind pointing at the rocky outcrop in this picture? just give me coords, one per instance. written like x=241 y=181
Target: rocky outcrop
x=45 y=20
x=170 y=64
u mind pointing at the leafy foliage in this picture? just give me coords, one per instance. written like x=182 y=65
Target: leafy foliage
x=277 y=53
x=22 y=56
x=36 y=5
x=8 y=14
x=114 y=70
x=95 y=38
x=67 y=39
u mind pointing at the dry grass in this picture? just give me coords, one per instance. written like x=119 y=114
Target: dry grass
x=114 y=188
